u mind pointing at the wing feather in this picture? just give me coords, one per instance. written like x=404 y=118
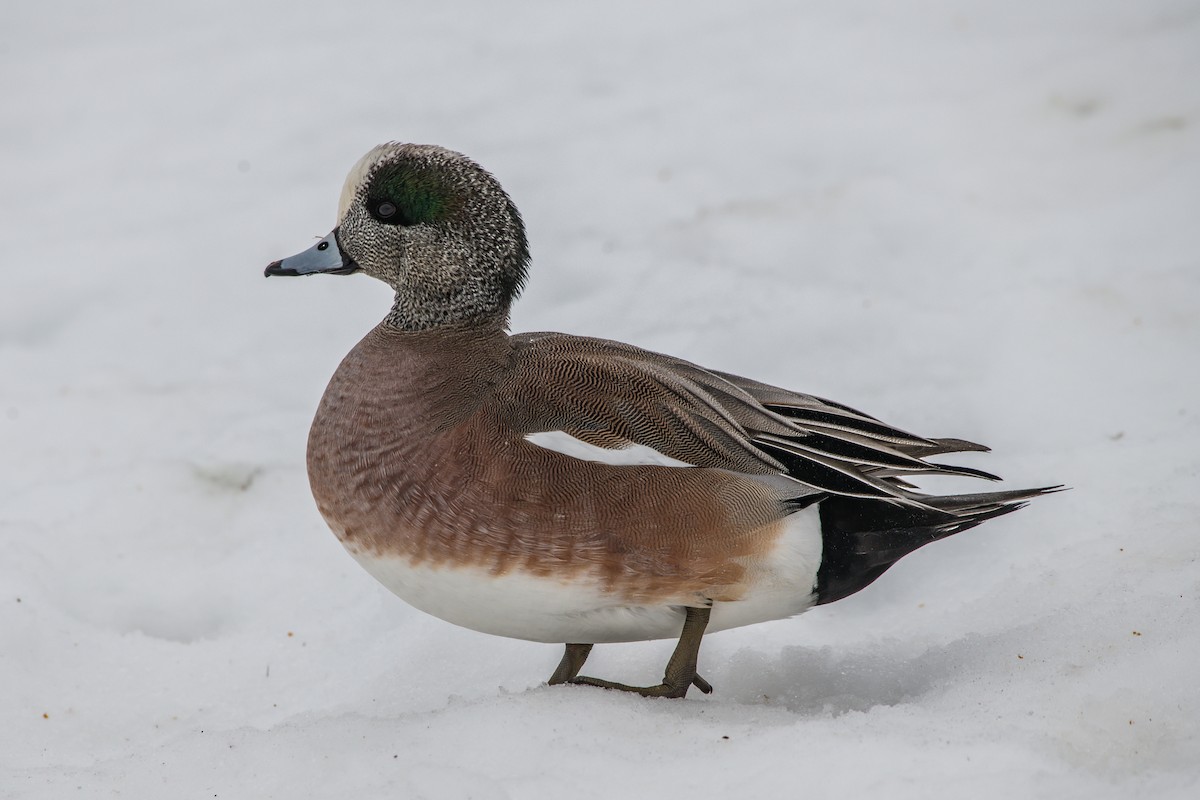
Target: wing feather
x=614 y=395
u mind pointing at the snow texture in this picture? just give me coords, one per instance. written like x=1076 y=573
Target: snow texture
x=975 y=220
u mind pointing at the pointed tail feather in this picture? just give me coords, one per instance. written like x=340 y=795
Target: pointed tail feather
x=863 y=538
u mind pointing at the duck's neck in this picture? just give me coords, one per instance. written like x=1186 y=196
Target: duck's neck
x=470 y=305
x=463 y=347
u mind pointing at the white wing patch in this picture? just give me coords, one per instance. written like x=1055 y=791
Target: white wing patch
x=628 y=456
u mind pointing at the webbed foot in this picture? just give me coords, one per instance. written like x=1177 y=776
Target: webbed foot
x=680 y=674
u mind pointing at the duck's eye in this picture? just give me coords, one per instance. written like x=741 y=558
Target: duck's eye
x=388 y=212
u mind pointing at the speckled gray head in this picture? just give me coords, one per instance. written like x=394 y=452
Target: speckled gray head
x=433 y=225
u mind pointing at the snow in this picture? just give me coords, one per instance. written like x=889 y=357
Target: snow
x=971 y=220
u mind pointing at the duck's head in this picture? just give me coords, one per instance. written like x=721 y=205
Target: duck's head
x=433 y=225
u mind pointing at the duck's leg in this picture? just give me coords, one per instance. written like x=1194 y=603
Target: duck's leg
x=572 y=662
x=681 y=669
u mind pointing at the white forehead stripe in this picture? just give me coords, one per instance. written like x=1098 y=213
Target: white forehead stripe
x=358 y=174
x=631 y=455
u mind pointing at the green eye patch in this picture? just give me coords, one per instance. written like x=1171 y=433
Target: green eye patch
x=405 y=194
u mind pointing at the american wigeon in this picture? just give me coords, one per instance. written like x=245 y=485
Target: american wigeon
x=564 y=489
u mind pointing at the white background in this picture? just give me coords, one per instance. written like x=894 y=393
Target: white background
x=974 y=220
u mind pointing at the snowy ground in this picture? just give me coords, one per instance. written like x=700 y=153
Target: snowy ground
x=973 y=220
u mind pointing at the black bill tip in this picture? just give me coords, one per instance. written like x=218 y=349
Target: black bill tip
x=274 y=268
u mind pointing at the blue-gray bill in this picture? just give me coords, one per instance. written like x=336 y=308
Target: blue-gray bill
x=323 y=258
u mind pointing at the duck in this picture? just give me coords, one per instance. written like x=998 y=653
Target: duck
x=579 y=491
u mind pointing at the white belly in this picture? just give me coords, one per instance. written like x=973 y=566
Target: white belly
x=546 y=609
